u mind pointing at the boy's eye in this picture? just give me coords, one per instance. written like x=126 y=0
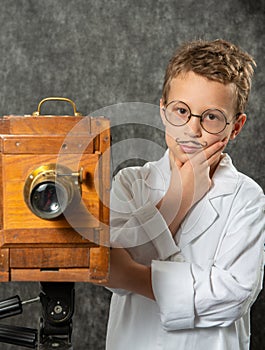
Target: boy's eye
x=213 y=117
x=181 y=112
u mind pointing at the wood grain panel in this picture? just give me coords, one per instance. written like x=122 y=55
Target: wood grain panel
x=49 y=125
x=37 y=144
x=62 y=275
x=44 y=258
x=46 y=237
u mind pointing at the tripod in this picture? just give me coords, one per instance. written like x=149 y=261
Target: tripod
x=55 y=326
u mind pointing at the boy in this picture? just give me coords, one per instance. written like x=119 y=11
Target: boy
x=192 y=225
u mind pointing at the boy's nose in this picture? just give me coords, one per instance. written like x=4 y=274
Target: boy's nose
x=193 y=127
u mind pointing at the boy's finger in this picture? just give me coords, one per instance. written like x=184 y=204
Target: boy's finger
x=214 y=157
x=208 y=153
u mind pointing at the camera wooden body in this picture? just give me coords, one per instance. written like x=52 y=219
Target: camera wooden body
x=37 y=249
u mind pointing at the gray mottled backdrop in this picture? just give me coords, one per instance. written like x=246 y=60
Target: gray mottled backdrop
x=105 y=52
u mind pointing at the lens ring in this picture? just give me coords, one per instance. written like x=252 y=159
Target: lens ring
x=181 y=105
x=50 y=189
x=214 y=111
x=47 y=199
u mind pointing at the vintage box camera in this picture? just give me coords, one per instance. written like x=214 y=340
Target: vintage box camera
x=54 y=197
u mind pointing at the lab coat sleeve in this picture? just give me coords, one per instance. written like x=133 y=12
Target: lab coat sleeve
x=136 y=224
x=191 y=296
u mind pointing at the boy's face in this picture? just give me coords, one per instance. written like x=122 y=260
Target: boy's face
x=199 y=94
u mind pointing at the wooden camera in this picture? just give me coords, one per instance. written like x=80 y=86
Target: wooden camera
x=54 y=197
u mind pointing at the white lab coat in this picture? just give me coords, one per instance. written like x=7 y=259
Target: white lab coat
x=205 y=279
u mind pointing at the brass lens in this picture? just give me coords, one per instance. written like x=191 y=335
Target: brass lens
x=50 y=189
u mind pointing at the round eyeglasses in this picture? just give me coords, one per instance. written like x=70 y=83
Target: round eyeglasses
x=212 y=121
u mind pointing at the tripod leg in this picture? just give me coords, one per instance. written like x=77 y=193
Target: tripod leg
x=26 y=337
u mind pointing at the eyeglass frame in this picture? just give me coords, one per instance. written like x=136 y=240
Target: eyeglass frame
x=201 y=116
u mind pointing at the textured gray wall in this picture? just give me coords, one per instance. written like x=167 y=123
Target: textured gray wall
x=105 y=52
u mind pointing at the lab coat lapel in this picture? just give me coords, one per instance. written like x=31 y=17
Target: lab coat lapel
x=197 y=221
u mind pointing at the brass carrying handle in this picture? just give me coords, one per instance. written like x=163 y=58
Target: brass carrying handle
x=37 y=113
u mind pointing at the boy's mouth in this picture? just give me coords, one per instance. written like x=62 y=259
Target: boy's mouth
x=190 y=146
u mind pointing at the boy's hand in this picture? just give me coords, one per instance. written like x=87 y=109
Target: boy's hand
x=195 y=173
x=189 y=182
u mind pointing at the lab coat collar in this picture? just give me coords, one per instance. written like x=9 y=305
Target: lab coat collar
x=225 y=178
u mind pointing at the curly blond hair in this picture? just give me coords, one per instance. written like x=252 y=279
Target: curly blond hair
x=217 y=60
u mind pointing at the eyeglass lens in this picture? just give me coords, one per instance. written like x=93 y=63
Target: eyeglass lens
x=212 y=120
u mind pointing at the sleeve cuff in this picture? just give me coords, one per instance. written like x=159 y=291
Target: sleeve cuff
x=172 y=284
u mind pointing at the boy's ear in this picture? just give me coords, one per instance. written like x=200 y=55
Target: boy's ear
x=162 y=113
x=238 y=125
